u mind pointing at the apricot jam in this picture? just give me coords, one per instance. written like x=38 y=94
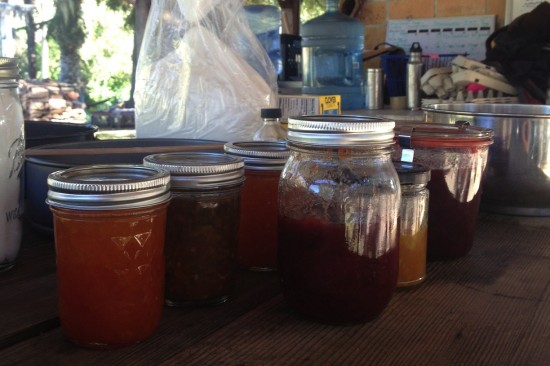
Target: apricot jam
x=109 y=227
x=264 y=161
x=413 y=222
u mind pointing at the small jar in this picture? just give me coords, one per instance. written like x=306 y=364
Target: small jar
x=339 y=198
x=263 y=163
x=12 y=147
x=203 y=225
x=413 y=236
x=457 y=157
x=109 y=224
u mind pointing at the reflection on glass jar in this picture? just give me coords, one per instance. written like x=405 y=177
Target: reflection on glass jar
x=339 y=201
x=202 y=228
x=457 y=157
x=109 y=224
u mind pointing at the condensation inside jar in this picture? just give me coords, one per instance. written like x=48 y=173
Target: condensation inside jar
x=457 y=158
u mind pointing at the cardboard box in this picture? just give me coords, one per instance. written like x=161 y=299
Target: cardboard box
x=300 y=104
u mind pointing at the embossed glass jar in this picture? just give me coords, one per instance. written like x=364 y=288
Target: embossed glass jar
x=109 y=224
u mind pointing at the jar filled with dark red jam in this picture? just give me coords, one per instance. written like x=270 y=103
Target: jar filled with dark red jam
x=457 y=157
x=202 y=227
x=339 y=198
x=263 y=163
x=109 y=226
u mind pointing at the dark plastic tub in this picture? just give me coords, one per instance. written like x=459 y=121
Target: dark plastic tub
x=44 y=133
x=37 y=168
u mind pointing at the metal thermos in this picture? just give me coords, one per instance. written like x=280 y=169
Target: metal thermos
x=374 y=98
x=414 y=72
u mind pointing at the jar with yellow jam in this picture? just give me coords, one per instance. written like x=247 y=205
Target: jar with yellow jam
x=413 y=222
x=109 y=225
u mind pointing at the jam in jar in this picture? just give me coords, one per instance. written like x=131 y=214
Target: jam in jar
x=263 y=161
x=457 y=157
x=202 y=226
x=109 y=224
x=339 y=197
x=413 y=222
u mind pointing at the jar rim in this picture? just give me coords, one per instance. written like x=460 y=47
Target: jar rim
x=109 y=186
x=260 y=155
x=338 y=130
x=199 y=169
x=442 y=135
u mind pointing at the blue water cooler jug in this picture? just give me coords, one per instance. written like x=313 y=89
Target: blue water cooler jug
x=332 y=56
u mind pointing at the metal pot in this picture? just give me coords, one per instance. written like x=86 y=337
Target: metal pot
x=517 y=180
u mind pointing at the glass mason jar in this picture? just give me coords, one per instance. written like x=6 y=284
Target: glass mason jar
x=12 y=148
x=339 y=198
x=413 y=235
x=109 y=223
x=457 y=157
x=203 y=225
x=263 y=163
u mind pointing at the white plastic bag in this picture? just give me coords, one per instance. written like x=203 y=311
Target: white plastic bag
x=201 y=73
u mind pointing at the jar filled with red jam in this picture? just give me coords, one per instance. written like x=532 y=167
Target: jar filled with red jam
x=203 y=225
x=263 y=163
x=457 y=157
x=109 y=225
x=339 y=197
x=413 y=235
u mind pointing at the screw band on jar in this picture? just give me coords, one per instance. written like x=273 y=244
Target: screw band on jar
x=108 y=187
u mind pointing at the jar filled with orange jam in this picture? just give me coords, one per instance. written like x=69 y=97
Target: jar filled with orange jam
x=413 y=222
x=109 y=225
x=203 y=225
x=264 y=161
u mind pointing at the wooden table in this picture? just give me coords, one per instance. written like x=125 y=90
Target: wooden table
x=489 y=308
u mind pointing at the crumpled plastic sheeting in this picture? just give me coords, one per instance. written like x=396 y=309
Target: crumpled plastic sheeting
x=203 y=75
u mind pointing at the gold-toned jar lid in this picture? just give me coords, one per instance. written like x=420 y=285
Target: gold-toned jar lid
x=8 y=68
x=108 y=187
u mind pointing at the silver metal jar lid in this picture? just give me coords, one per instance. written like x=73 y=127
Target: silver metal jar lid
x=108 y=187
x=199 y=170
x=412 y=173
x=9 y=70
x=260 y=155
x=340 y=130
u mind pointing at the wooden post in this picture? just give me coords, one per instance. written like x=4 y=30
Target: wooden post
x=290 y=16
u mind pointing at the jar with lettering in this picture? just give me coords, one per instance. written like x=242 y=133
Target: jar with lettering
x=203 y=225
x=413 y=235
x=339 y=197
x=12 y=147
x=109 y=228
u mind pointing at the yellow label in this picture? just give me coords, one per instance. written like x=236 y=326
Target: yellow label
x=330 y=104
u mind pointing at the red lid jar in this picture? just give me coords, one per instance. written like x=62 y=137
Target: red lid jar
x=264 y=161
x=457 y=157
x=109 y=224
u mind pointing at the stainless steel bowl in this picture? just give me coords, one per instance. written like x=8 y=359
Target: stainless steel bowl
x=517 y=180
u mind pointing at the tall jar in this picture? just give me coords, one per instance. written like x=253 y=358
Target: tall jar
x=457 y=157
x=12 y=147
x=339 y=198
x=109 y=223
x=413 y=235
x=203 y=225
x=263 y=163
